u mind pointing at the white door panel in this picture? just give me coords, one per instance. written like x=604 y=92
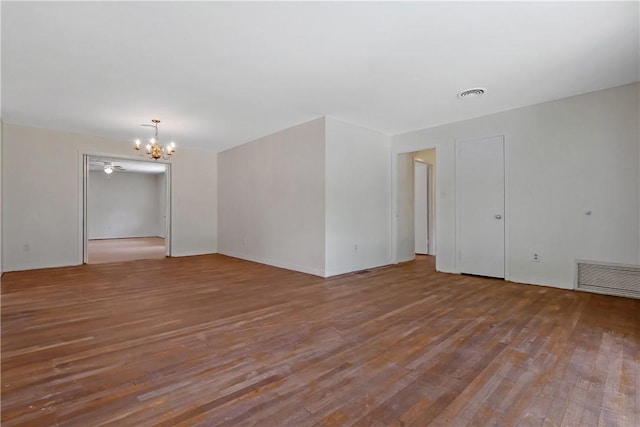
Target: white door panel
x=405 y=249
x=480 y=206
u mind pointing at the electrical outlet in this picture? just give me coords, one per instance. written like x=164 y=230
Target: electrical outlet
x=26 y=248
x=536 y=257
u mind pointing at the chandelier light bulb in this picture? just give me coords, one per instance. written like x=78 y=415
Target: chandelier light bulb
x=108 y=170
x=154 y=150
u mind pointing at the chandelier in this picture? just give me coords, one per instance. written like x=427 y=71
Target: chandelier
x=154 y=149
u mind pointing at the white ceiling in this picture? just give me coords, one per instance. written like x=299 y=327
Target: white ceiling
x=97 y=164
x=221 y=74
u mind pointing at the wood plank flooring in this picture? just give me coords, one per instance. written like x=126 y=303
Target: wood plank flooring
x=217 y=341
x=126 y=249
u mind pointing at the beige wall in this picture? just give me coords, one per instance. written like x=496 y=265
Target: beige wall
x=428 y=156
x=42 y=196
x=272 y=199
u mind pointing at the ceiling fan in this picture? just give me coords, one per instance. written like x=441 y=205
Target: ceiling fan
x=108 y=167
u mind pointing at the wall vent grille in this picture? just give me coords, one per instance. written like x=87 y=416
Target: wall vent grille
x=610 y=279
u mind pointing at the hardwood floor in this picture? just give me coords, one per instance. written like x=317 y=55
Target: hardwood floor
x=216 y=341
x=127 y=249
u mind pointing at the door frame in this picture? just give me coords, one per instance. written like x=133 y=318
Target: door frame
x=444 y=149
x=83 y=158
x=507 y=213
x=393 y=226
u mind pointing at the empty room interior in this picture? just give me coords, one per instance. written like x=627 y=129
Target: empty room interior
x=320 y=213
x=125 y=211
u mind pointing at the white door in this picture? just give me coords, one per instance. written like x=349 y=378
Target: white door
x=421 y=208
x=405 y=241
x=480 y=206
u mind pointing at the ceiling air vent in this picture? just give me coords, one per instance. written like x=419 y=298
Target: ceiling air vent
x=470 y=93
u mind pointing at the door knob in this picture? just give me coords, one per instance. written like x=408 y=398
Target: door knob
x=498 y=216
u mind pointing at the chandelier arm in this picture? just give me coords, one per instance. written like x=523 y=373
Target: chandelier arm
x=154 y=150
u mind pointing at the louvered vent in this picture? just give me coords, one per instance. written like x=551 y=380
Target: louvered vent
x=611 y=279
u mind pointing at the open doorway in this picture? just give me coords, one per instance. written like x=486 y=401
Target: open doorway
x=126 y=210
x=415 y=205
x=424 y=211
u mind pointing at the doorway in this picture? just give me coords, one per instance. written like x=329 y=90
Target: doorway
x=424 y=202
x=126 y=209
x=421 y=206
x=415 y=205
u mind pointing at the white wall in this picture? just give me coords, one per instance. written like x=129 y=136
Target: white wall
x=1 y=263
x=272 y=199
x=305 y=197
x=358 y=201
x=562 y=158
x=123 y=204
x=41 y=180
